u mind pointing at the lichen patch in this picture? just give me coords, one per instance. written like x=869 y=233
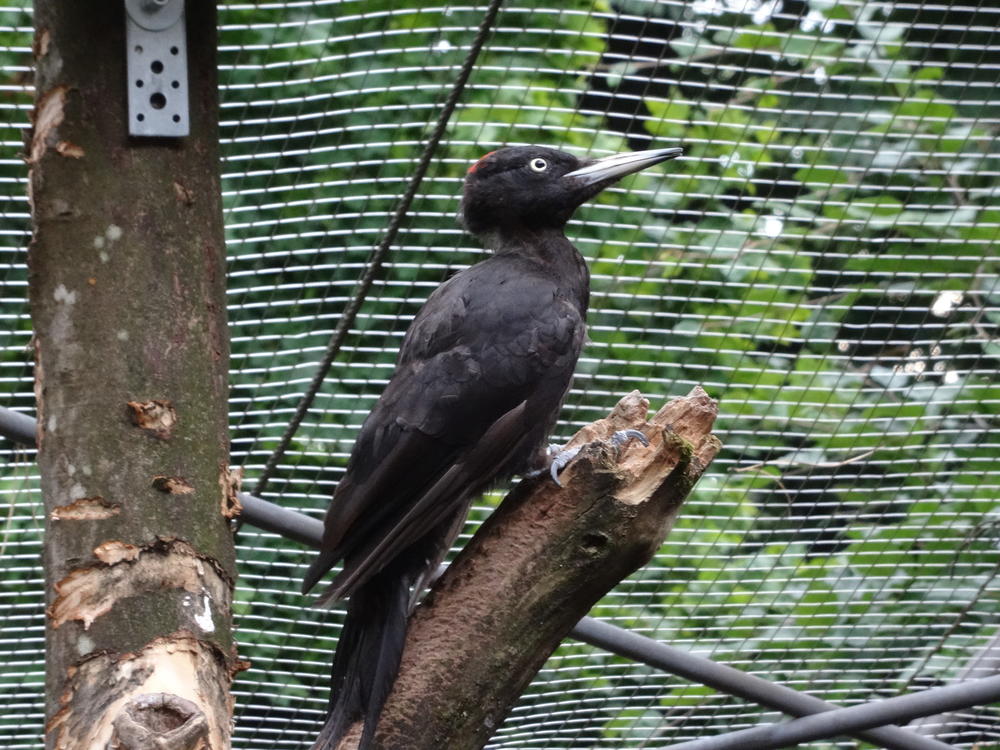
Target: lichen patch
x=157 y=417
x=64 y=295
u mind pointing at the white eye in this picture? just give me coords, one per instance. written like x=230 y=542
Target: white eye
x=538 y=165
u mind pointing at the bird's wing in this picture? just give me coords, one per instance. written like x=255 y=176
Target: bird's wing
x=435 y=506
x=484 y=355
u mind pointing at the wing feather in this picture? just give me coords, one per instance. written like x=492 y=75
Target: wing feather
x=492 y=348
x=454 y=489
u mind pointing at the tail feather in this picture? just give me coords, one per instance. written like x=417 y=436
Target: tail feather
x=367 y=658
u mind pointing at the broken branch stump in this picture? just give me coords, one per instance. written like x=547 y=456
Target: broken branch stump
x=536 y=566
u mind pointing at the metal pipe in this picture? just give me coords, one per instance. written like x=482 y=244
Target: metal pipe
x=851 y=720
x=984 y=663
x=288 y=523
x=732 y=681
x=309 y=531
x=17 y=426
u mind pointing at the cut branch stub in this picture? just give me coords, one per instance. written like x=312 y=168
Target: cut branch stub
x=153 y=698
x=161 y=721
x=536 y=566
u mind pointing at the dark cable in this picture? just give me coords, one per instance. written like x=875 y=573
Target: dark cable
x=378 y=255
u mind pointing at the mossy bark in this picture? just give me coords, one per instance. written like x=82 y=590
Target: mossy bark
x=127 y=285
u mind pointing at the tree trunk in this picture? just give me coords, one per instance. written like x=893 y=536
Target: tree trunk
x=537 y=565
x=127 y=271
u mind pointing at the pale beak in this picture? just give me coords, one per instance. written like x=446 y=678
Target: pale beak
x=618 y=165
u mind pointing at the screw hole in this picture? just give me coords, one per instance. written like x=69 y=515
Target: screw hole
x=139 y=84
x=157 y=101
x=174 y=50
x=177 y=118
x=138 y=49
x=156 y=66
x=140 y=117
x=175 y=84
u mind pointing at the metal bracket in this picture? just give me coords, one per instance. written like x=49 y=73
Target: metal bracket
x=156 y=54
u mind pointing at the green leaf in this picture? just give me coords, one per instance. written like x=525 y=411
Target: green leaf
x=823 y=176
x=669 y=118
x=924 y=112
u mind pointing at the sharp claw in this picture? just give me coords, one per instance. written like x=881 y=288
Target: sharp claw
x=560 y=458
x=620 y=438
x=554 y=473
x=558 y=463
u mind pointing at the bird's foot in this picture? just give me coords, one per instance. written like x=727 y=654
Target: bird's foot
x=620 y=439
x=559 y=458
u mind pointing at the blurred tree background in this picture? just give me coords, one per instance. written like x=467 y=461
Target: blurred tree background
x=823 y=260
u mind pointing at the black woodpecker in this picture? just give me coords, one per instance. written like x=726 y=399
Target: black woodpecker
x=480 y=378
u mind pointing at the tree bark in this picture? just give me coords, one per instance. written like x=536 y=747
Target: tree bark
x=127 y=271
x=540 y=562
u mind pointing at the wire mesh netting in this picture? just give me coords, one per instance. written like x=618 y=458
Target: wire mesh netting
x=823 y=260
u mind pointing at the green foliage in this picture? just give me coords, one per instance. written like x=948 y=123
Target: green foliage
x=823 y=260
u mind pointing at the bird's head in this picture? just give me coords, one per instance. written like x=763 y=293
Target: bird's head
x=533 y=187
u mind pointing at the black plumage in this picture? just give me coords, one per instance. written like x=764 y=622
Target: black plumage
x=480 y=378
